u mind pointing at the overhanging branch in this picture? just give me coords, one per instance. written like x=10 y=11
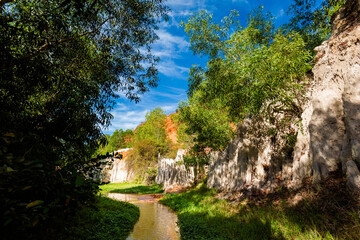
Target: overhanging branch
x=49 y=44
x=3 y=2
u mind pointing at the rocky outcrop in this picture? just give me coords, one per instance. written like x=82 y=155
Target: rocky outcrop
x=172 y=172
x=255 y=159
x=116 y=169
x=329 y=136
x=334 y=128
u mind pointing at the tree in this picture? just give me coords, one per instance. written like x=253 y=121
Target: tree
x=252 y=72
x=150 y=140
x=311 y=21
x=248 y=67
x=203 y=127
x=118 y=140
x=153 y=128
x=62 y=66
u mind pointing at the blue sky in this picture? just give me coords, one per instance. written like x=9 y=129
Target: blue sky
x=176 y=57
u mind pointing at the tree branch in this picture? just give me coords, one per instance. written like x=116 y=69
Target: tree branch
x=3 y=2
x=47 y=44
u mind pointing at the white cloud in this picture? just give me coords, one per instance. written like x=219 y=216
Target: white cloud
x=128 y=115
x=170 y=45
x=172 y=95
x=170 y=108
x=121 y=107
x=168 y=48
x=171 y=69
x=126 y=119
x=183 y=13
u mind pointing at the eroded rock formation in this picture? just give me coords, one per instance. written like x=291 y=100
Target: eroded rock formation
x=334 y=128
x=116 y=169
x=329 y=137
x=171 y=172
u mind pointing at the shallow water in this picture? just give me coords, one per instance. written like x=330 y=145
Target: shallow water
x=156 y=222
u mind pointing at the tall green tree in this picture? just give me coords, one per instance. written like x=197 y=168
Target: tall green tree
x=118 y=140
x=312 y=20
x=62 y=65
x=150 y=140
x=253 y=71
x=252 y=66
x=153 y=129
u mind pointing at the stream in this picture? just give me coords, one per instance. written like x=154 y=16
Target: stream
x=156 y=222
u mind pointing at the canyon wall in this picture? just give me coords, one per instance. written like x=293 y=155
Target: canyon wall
x=171 y=172
x=115 y=169
x=327 y=139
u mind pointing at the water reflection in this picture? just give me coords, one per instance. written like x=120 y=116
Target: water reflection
x=156 y=221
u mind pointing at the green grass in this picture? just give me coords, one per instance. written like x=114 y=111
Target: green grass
x=202 y=216
x=111 y=220
x=131 y=188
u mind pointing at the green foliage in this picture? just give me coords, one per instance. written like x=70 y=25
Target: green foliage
x=312 y=20
x=153 y=129
x=62 y=64
x=150 y=140
x=110 y=218
x=207 y=122
x=319 y=215
x=118 y=140
x=202 y=126
x=254 y=65
x=131 y=188
x=252 y=71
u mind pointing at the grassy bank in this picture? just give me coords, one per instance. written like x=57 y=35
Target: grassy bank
x=109 y=220
x=130 y=188
x=329 y=213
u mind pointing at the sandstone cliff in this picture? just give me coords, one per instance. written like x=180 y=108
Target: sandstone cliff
x=171 y=129
x=329 y=137
x=171 y=172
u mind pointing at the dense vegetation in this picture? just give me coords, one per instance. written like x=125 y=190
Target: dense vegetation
x=111 y=218
x=62 y=66
x=326 y=213
x=150 y=140
x=118 y=140
x=255 y=72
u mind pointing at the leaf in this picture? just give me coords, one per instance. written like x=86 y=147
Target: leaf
x=34 y=203
x=79 y=181
x=9 y=169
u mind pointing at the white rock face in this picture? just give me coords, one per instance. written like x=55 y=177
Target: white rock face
x=334 y=127
x=251 y=160
x=118 y=171
x=171 y=172
x=330 y=134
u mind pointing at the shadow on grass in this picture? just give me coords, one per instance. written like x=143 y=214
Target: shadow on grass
x=331 y=209
x=201 y=226
x=201 y=216
x=153 y=189
x=110 y=219
x=328 y=211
